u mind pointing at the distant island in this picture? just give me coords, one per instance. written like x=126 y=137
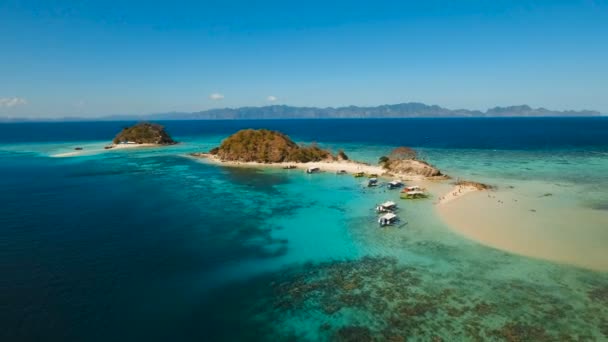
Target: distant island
x=402 y=110
x=266 y=148
x=143 y=133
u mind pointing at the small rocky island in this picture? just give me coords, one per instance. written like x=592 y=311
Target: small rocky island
x=404 y=160
x=264 y=147
x=143 y=133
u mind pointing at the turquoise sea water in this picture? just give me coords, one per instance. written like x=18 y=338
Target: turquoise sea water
x=151 y=244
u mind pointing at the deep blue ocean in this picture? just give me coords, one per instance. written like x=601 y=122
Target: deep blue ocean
x=152 y=245
x=483 y=133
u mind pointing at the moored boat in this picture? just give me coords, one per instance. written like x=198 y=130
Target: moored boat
x=386 y=207
x=372 y=182
x=313 y=170
x=415 y=194
x=387 y=219
x=412 y=188
x=394 y=184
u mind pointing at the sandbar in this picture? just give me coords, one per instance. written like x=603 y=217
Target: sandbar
x=533 y=226
x=97 y=150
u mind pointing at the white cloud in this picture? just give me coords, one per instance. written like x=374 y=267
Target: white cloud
x=216 y=96
x=271 y=98
x=12 y=101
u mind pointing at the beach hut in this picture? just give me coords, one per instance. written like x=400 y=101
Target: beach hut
x=386 y=207
x=387 y=219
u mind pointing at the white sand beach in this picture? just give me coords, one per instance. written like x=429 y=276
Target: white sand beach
x=533 y=226
x=456 y=192
x=349 y=166
x=130 y=146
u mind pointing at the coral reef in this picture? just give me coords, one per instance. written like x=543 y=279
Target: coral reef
x=402 y=302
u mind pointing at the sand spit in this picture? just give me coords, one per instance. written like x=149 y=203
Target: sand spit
x=130 y=146
x=96 y=150
x=457 y=192
x=530 y=225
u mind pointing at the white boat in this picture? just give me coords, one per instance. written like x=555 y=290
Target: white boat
x=395 y=184
x=413 y=194
x=387 y=219
x=313 y=170
x=412 y=188
x=386 y=207
x=372 y=182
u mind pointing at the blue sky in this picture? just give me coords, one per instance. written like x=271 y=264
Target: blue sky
x=91 y=58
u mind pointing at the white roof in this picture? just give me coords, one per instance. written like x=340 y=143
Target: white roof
x=388 y=204
x=388 y=216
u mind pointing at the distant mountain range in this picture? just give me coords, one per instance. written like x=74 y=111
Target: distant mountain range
x=402 y=110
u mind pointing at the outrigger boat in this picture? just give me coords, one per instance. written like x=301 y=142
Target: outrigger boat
x=387 y=219
x=386 y=207
x=395 y=184
x=413 y=194
x=372 y=182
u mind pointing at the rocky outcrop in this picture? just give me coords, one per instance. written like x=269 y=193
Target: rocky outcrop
x=412 y=167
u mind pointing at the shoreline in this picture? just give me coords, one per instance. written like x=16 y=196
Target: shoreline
x=349 y=166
